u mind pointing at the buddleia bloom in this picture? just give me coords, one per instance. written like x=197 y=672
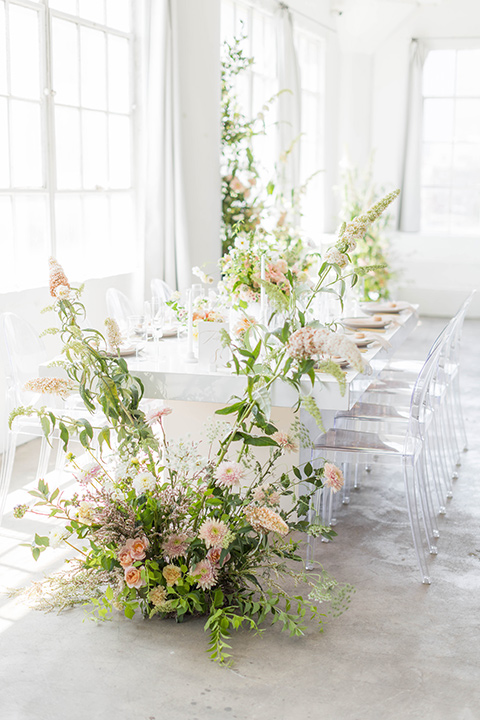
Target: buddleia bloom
x=114 y=336
x=49 y=386
x=58 y=280
x=264 y=519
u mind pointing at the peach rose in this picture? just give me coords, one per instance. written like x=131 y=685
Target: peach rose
x=133 y=577
x=137 y=547
x=124 y=557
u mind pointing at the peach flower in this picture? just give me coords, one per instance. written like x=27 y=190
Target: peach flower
x=133 y=577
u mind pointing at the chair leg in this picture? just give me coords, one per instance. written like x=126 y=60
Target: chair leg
x=7 y=467
x=414 y=506
x=44 y=457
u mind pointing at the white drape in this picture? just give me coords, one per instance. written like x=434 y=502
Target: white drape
x=165 y=224
x=410 y=196
x=289 y=102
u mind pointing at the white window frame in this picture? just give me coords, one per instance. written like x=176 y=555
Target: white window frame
x=49 y=189
x=456 y=46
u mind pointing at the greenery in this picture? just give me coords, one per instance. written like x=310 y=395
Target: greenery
x=179 y=529
x=358 y=192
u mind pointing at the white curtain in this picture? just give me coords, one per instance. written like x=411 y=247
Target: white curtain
x=289 y=102
x=410 y=196
x=165 y=223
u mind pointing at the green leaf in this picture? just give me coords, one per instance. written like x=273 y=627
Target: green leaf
x=129 y=612
x=42 y=540
x=236 y=407
x=258 y=440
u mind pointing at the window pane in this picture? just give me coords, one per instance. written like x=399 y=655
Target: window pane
x=31 y=232
x=227 y=19
x=123 y=226
x=25 y=144
x=24 y=52
x=466 y=210
x=7 y=274
x=93 y=64
x=4 y=155
x=3 y=51
x=468 y=72
x=94 y=134
x=467 y=121
x=65 y=62
x=439 y=73
x=66 y=6
x=119 y=152
x=96 y=235
x=437 y=164
x=435 y=210
x=118 y=14
x=69 y=232
x=92 y=10
x=118 y=75
x=438 y=120
x=466 y=165
x=67 y=134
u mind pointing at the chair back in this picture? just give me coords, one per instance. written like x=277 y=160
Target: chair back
x=119 y=308
x=160 y=289
x=22 y=353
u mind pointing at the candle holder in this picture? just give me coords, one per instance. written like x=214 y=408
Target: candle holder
x=190 y=356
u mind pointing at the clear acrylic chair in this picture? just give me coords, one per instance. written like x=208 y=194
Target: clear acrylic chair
x=22 y=353
x=159 y=288
x=388 y=400
x=405 y=449
x=119 y=308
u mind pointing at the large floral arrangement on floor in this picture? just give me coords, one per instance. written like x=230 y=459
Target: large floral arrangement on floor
x=178 y=529
x=358 y=192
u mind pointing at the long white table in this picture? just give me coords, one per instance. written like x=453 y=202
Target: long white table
x=168 y=376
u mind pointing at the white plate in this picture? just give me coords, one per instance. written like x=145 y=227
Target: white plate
x=340 y=361
x=124 y=351
x=361 y=342
x=372 y=308
x=170 y=331
x=366 y=323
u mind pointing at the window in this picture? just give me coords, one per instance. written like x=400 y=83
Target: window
x=451 y=142
x=311 y=57
x=261 y=83
x=66 y=119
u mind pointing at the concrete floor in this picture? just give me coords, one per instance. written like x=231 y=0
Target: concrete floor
x=402 y=650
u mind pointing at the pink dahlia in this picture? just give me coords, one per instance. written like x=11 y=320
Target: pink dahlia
x=229 y=474
x=155 y=414
x=333 y=477
x=215 y=533
x=285 y=441
x=176 y=545
x=205 y=574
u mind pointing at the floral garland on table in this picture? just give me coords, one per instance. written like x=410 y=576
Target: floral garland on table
x=173 y=529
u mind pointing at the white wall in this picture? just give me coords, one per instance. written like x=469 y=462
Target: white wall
x=439 y=271
x=436 y=272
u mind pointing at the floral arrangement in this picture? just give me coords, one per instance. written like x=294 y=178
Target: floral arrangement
x=241 y=270
x=358 y=192
x=181 y=529
x=242 y=203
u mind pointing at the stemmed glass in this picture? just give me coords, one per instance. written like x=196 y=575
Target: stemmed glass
x=158 y=310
